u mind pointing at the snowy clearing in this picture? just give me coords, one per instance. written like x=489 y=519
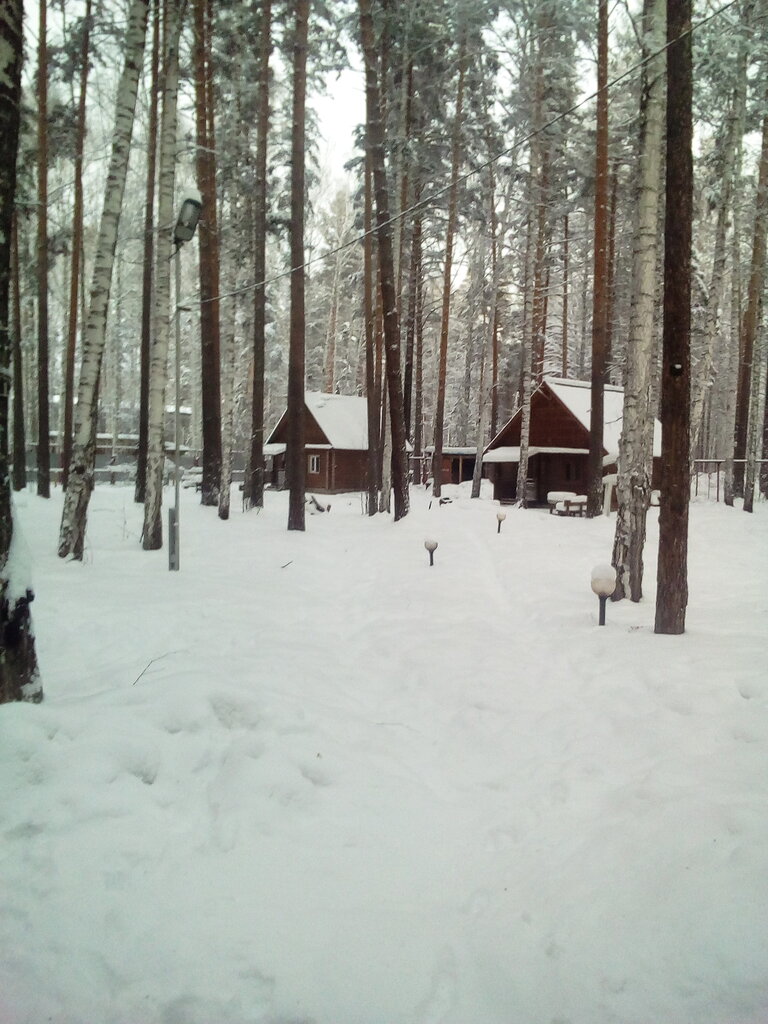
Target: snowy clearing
x=309 y=779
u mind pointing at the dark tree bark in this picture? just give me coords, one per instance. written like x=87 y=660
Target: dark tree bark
x=600 y=289
x=672 y=575
x=19 y=434
x=147 y=279
x=375 y=144
x=43 y=413
x=208 y=234
x=296 y=456
x=19 y=675
x=255 y=486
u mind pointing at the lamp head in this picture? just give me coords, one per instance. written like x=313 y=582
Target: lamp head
x=189 y=215
x=603 y=580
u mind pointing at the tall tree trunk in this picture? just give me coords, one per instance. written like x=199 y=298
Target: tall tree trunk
x=152 y=537
x=210 y=327
x=672 y=574
x=19 y=433
x=371 y=390
x=751 y=321
x=418 y=400
x=600 y=287
x=148 y=268
x=296 y=455
x=43 y=419
x=227 y=416
x=330 y=339
x=414 y=283
x=375 y=143
x=635 y=446
x=730 y=148
x=19 y=674
x=566 y=268
x=74 y=516
x=526 y=361
x=77 y=251
x=255 y=490
x=437 y=458
x=756 y=420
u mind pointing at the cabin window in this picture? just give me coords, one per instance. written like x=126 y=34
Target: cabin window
x=314 y=463
x=572 y=471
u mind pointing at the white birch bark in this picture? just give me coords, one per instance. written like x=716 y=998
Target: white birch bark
x=635 y=446
x=732 y=145
x=485 y=403
x=756 y=419
x=74 y=515
x=527 y=358
x=152 y=538
x=228 y=348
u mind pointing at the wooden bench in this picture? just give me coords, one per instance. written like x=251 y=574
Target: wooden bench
x=565 y=503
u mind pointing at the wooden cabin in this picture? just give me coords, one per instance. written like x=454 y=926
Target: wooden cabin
x=558 y=452
x=336 y=444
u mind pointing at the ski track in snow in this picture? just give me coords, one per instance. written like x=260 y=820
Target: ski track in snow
x=311 y=780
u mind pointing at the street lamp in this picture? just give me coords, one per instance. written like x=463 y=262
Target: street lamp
x=603 y=584
x=431 y=546
x=189 y=215
x=500 y=517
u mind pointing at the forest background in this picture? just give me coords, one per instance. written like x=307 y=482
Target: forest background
x=511 y=150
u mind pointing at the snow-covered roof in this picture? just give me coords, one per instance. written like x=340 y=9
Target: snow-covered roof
x=342 y=418
x=512 y=453
x=576 y=395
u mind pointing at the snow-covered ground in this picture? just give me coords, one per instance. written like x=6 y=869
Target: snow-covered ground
x=309 y=778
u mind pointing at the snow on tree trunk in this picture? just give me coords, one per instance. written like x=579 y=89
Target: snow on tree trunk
x=375 y=144
x=227 y=417
x=148 y=269
x=635 y=446
x=756 y=420
x=19 y=674
x=751 y=322
x=152 y=538
x=730 y=146
x=437 y=457
x=80 y=483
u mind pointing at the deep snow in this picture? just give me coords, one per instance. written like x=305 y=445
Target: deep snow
x=310 y=779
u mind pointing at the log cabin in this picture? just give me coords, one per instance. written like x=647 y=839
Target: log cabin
x=558 y=451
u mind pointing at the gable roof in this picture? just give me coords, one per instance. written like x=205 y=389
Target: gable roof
x=342 y=418
x=576 y=396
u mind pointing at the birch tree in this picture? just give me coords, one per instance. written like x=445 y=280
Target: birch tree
x=152 y=538
x=43 y=422
x=19 y=674
x=80 y=485
x=635 y=446
x=77 y=251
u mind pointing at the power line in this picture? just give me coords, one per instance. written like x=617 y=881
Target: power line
x=434 y=196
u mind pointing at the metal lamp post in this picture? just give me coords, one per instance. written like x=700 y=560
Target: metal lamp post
x=431 y=546
x=189 y=215
x=603 y=584
x=500 y=517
